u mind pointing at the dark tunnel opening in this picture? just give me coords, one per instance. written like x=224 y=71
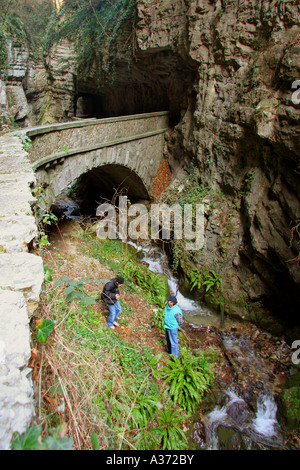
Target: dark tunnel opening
x=99 y=185
x=123 y=102
x=153 y=82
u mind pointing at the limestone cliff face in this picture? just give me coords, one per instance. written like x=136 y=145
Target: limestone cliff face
x=242 y=128
x=58 y=103
x=37 y=90
x=22 y=86
x=13 y=102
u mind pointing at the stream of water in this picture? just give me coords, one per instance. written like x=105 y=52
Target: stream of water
x=233 y=424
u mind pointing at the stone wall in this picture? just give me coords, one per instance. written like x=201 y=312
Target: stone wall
x=21 y=277
x=81 y=134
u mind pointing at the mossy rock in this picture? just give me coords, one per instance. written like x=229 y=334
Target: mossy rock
x=294 y=380
x=47 y=114
x=289 y=407
x=264 y=320
x=230 y=439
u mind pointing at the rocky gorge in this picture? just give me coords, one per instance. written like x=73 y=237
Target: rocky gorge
x=228 y=72
x=224 y=70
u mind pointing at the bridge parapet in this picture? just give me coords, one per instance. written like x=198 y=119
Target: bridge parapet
x=60 y=141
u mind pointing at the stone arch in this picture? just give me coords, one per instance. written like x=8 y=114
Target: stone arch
x=125 y=165
x=61 y=153
x=107 y=180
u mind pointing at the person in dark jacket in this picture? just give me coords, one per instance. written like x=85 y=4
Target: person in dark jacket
x=110 y=295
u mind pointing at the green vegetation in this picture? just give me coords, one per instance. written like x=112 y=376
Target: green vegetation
x=189 y=191
x=249 y=178
x=154 y=286
x=44 y=328
x=171 y=435
x=190 y=378
x=25 y=21
x=32 y=440
x=208 y=280
x=117 y=394
x=204 y=281
x=93 y=26
x=208 y=284
x=3 y=50
x=290 y=406
x=75 y=290
x=124 y=261
x=43 y=217
x=26 y=141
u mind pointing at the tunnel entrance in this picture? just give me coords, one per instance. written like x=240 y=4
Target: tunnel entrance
x=153 y=81
x=88 y=106
x=124 y=101
x=101 y=184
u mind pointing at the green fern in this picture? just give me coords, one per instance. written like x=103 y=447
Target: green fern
x=209 y=280
x=196 y=279
x=189 y=378
x=144 y=410
x=169 y=433
x=212 y=280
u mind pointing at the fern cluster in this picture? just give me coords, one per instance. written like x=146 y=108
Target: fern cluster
x=171 y=435
x=154 y=285
x=189 y=378
x=207 y=280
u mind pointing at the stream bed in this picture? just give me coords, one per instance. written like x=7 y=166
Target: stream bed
x=243 y=412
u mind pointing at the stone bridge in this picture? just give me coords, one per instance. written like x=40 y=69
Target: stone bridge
x=121 y=151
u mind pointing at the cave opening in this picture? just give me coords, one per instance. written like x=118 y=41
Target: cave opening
x=99 y=185
x=152 y=82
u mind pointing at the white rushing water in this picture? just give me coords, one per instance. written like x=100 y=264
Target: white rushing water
x=219 y=416
x=193 y=311
x=158 y=262
x=259 y=430
x=265 y=422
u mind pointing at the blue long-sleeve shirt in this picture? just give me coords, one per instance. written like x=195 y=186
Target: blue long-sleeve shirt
x=173 y=317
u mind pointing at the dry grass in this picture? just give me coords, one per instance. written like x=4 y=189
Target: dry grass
x=70 y=374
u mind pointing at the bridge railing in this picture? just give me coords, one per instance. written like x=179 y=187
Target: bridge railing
x=53 y=143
